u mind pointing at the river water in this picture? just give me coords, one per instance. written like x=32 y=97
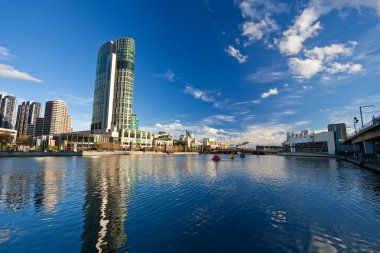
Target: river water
x=181 y=203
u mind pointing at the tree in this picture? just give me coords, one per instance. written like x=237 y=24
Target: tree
x=5 y=139
x=23 y=139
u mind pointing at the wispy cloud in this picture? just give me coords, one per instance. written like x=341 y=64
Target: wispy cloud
x=203 y=95
x=168 y=75
x=235 y=53
x=8 y=71
x=268 y=75
x=270 y=92
x=5 y=53
x=73 y=99
x=255 y=101
x=218 y=119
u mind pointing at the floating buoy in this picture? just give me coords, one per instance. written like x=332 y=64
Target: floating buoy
x=232 y=156
x=242 y=155
x=216 y=158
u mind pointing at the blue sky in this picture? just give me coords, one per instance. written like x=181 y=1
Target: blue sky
x=235 y=70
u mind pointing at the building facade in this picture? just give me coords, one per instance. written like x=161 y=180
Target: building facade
x=27 y=115
x=39 y=127
x=7 y=111
x=305 y=142
x=112 y=106
x=135 y=122
x=55 y=118
x=340 y=130
x=68 y=124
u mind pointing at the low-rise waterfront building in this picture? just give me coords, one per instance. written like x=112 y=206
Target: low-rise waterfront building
x=305 y=142
x=12 y=133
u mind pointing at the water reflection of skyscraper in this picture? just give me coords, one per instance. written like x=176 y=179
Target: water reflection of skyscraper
x=105 y=208
x=17 y=185
x=48 y=187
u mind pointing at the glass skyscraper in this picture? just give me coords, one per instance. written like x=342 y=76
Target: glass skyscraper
x=112 y=107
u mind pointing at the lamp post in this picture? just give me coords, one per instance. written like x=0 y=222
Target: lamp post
x=361 y=115
x=355 y=121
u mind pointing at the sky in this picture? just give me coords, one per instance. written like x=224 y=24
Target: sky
x=235 y=70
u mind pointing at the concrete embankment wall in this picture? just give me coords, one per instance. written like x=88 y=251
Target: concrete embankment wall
x=359 y=163
x=306 y=154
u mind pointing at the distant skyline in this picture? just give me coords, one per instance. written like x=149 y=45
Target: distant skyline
x=247 y=70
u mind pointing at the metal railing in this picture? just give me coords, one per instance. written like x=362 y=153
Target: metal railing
x=372 y=123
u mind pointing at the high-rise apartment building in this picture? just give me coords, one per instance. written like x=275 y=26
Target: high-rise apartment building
x=112 y=107
x=27 y=114
x=7 y=111
x=55 y=118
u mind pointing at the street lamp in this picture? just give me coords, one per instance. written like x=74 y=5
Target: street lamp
x=355 y=121
x=361 y=115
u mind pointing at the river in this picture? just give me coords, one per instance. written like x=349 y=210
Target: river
x=179 y=203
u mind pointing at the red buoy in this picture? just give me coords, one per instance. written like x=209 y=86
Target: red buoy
x=216 y=158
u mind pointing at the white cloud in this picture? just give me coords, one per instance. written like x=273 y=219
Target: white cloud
x=236 y=54
x=198 y=94
x=259 y=24
x=322 y=60
x=304 y=68
x=5 y=53
x=168 y=75
x=270 y=92
x=307 y=25
x=304 y=27
x=330 y=52
x=175 y=126
x=258 y=30
x=8 y=71
x=266 y=133
x=349 y=68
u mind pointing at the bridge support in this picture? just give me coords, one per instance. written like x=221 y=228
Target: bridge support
x=356 y=147
x=368 y=147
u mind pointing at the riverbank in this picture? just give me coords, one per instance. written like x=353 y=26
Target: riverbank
x=360 y=163
x=87 y=153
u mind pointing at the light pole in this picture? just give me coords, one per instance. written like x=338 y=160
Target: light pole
x=355 y=121
x=361 y=115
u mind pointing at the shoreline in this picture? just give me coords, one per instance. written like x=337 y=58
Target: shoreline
x=86 y=153
x=362 y=164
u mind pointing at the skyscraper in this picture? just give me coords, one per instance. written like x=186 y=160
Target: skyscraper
x=55 y=118
x=27 y=114
x=112 y=107
x=7 y=111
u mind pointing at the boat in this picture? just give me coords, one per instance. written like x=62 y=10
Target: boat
x=232 y=156
x=216 y=158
